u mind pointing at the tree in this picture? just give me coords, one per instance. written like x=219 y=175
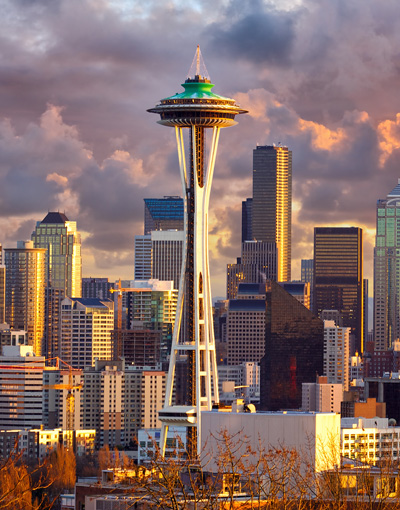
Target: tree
x=22 y=487
x=62 y=463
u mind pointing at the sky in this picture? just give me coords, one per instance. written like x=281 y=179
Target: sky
x=76 y=78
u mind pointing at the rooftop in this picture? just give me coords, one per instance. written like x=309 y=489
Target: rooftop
x=55 y=217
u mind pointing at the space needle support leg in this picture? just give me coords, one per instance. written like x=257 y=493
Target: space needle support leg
x=211 y=386
x=179 y=308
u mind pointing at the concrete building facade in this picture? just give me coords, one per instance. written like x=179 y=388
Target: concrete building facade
x=21 y=388
x=336 y=354
x=86 y=326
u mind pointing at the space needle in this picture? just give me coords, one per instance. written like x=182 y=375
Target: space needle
x=196 y=108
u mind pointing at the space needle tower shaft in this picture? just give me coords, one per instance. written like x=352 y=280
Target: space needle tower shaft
x=198 y=109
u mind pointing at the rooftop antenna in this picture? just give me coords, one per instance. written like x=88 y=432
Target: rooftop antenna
x=198 y=68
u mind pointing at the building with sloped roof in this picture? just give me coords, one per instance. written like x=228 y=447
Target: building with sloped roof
x=59 y=236
x=86 y=325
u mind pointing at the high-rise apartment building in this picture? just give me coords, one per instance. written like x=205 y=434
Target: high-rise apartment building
x=21 y=387
x=336 y=354
x=59 y=236
x=163 y=214
x=272 y=202
x=387 y=271
x=294 y=348
x=25 y=291
x=338 y=277
x=119 y=400
x=103 y=402
x=55 y=403
x=144 y=397
x=86 y=326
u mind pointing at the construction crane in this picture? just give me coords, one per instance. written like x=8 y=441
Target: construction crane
x=120 y=290
x=70 y=400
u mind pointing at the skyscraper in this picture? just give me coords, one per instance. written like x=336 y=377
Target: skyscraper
x=63 y=270
x=25 y=291
x=247 y=234
x=387 y=271
x=272 y=202
x=163 y=214
x=158 y=255
x=294 y=349
x=245 y=325
x=197 y=108
x=338 y=277
x=258 y=263
x=63 y=259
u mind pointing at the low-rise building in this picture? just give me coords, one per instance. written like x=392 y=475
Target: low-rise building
x=369 y=440
x=311 y=435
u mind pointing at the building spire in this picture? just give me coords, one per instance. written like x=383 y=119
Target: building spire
x=198 y=70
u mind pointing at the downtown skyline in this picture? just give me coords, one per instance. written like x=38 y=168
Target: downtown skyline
x=77 y=78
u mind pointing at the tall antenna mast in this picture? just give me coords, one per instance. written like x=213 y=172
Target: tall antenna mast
x=198 y=68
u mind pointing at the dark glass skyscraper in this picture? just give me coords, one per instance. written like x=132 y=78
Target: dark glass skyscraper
x=163 y=214
x=247 y=234
x=338 y=277
x=294 y=349
x=272 y=202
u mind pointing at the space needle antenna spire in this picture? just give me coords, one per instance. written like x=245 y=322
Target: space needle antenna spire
x=198 y=67
x=197 y=109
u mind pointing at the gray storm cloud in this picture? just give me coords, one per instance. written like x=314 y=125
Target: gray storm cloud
x=321 y=77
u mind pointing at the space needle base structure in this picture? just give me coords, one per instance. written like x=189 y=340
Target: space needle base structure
x=198 y=109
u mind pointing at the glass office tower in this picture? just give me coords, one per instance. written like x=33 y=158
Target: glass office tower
x=163 y=214
x=62 y=242
x=272 y=202
x=338 y=277
x=387 y=271
x=294 y=350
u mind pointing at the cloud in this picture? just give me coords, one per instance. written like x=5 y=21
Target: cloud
x=255 y=32
x=78 y=76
